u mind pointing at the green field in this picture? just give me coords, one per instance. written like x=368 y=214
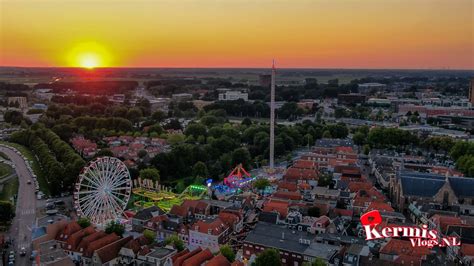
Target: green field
x=5 y=170
x=9 y=189
x=3 y=156
x=34 y=165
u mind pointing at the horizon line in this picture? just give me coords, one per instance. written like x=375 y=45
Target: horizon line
x=230 y=67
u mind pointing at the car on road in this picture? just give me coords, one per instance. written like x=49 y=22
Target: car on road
x=22 y=251
x=28 y=182
x=51 y=212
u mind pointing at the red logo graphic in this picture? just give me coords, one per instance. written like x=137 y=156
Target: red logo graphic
x=420 y=236
x=371 y=218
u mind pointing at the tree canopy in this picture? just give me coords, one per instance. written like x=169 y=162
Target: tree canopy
x=115 y=227
x=175 y=241
x=227 y=252
x=269 y=256
x=150 y=173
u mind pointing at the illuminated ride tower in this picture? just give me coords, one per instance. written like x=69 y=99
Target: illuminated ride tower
x=272 y=120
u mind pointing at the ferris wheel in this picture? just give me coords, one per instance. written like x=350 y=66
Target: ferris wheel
x=102 y=190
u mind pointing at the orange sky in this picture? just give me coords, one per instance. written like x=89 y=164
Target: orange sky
x=245 y=33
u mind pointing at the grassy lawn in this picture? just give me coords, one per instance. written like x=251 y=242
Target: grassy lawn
x=10 y=188
x=3 y=156
x=34 y=165
x=5 y=170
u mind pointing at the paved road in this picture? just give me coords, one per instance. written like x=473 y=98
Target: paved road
x=25 y=208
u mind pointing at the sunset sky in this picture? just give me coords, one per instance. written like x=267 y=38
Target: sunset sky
x=231 y=33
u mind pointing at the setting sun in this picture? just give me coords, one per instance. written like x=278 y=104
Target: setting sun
x=88 y=55
x=89 y=61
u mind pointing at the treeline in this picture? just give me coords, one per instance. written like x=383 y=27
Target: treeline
x=241 y=108
x=16 y=118
x=57 y=159
x=80 y=99
x=311 y=90
x=381 y=137
x=91 y=127
x=97 y=120
x=169 y=86
x=463 y=153
x=90 y=87
x=55 y=111
x=13 y=88
x=221 y=146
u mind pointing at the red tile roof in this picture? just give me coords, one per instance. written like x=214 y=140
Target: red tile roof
x=323 y=208
x=193 y=206
x=276 y=205
x=323 y=221
x=215 y=227
x=74 y=240
x=129 y=214
x=443 y=221
x=85 y=242
x=81 y=143
x=348 y=170
x=294 y=173
x=344 y=149
x=99 y=243
x=287 y=186
x=179 y=260
x=296 y=195
x=134 y=245
x=307 y=164
x=380 y=206
x=218 y=260
x=356 y=186
x=70 y=229
x=408 y=260
x=399 y=247
x=201 y=207
x=144 y=250
x=178 y=210
x=343 y=212
x=229 y=218
x=199 y=258
x=179 y=254
x=111 y=251
x=304 y=186
x=364 y=197
x=467 y=249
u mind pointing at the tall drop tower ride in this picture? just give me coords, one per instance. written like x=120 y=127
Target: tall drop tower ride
x=272 y=118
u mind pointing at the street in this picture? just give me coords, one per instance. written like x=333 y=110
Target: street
x=25 y=216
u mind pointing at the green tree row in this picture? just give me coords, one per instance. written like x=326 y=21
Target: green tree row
x=463 y=154
x=58 y=160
